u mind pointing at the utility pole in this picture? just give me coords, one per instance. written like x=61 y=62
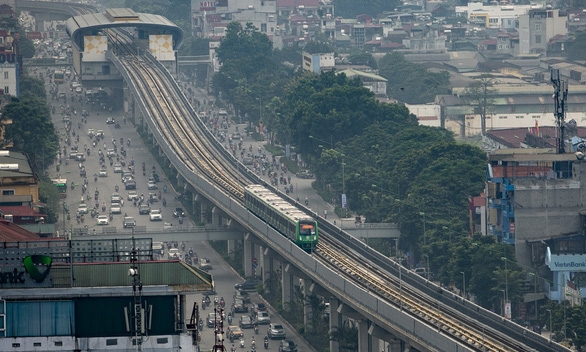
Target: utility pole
x=560 y=96
x=137 y=309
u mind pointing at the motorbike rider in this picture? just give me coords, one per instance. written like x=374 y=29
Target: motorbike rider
x=266 y=342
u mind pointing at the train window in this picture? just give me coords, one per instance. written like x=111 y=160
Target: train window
x=306 y=229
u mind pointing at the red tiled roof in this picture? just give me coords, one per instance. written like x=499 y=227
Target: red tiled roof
x=488 y=42
x=10 y=232
x=18 y=210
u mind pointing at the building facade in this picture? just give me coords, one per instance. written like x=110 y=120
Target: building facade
x=318 y=62
x=537 y=27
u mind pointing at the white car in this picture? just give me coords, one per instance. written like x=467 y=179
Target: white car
x=152 y=185
x=115 y=208
x=174 y=254
x=117 y=168
x=103 y=220
x=103 y=173
x=132 y=195
x=82 y=208
x=155 y=215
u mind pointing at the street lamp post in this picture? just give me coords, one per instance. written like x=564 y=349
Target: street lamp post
x=424 y=236
x=344 y=204
x=504 y=302
x=506 y=280
x=550 y=327
x=463 y=283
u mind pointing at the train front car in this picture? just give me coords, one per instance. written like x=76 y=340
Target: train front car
x=307 y=234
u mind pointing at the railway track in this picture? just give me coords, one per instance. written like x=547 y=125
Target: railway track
x=195 y=146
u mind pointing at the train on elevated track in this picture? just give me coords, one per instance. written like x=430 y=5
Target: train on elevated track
x=282 y=216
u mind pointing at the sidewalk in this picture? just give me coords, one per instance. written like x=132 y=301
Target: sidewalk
x=301 y=187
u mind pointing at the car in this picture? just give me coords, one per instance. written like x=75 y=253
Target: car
x=91 y=132
x=155 y=215
x=103 y=220
x=117 y=168
x=212 y=319
x=178 y=213
x=130 y=184
x=110 y=152
x=128 y=221
x=144 y=209
x=155 y=177
x=247 y=161
x=82 y=208
x=110 y=121
x=152 y=185
x=276 y=331
x=158 y=247
x=263 y=318
x=78 y=90
x=100 y=133
x=236 y=135
x=243 y=294
x=246 y=322
x=205 y=264
x=132 y=195
x=126 y=175
x=248 y=285
x=103 y=173
x=287 y=346
x=240 y=306
x=115 y=208
x=174 y=253
x=153 y=197
x=234 y=333
x=304 y=174
x=259 y=307
x=115 y=198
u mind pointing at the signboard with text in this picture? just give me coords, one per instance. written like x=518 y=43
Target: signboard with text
x=566 y=262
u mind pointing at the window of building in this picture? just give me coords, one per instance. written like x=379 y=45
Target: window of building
x=6 y=75
x=500 y=46
x=7 y=192
x=162 y=340
x=502 y=117
x=111 y=342
x=493 y=20
x=6 y=90
x=537 y=39
x=263 y=27
x=538 y=27
x=535 y=116
x=519 y=116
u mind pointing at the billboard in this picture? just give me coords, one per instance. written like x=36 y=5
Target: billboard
x=565 y=262
x=161 y=47
x=94 y=48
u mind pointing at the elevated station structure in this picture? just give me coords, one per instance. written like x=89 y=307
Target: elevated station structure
x=154 y=33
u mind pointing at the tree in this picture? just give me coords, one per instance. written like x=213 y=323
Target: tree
x=31 y=130
x=412 y=83
x=30 y=86
x=363 y=58
x=482 y=96
x=346 y=335
x=315 y=47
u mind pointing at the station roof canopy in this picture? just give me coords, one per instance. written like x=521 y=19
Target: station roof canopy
x=79 y=26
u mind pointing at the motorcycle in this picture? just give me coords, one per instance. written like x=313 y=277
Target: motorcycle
x=242 y=343
x=256 y=328
x=266 y=343
x=164 y=202
x=200 y=325
x=116 y=188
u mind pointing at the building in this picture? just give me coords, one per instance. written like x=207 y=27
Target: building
x=537 y=27
x=492 y=16
x=10 y=61
x=534 y=202
x=427 y=114
x=95 y=295
x=318 y=62
x=17 y=180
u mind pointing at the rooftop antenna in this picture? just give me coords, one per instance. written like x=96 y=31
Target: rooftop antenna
x=560 y=95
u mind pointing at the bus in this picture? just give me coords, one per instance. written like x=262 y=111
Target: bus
x=61 y=184
x=59 y=76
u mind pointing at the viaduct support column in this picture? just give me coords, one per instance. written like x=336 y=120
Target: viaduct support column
x=247 y=255
x=335 y=322
x=286 y=284
x=308 y=307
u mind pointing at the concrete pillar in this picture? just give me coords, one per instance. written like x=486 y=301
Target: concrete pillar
x=287 y=286
x=307 y=308
x=335 y=323
x=203 y=209
x=364 y=344
x=183 y=307
x=231 y=246
x=216 y=216
x=247 y=255
x=395 y=345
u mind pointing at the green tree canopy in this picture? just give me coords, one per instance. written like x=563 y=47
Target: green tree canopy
x=412 y=83
x=31 y=130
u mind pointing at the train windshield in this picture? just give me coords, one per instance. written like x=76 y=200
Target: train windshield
x=306 y=229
